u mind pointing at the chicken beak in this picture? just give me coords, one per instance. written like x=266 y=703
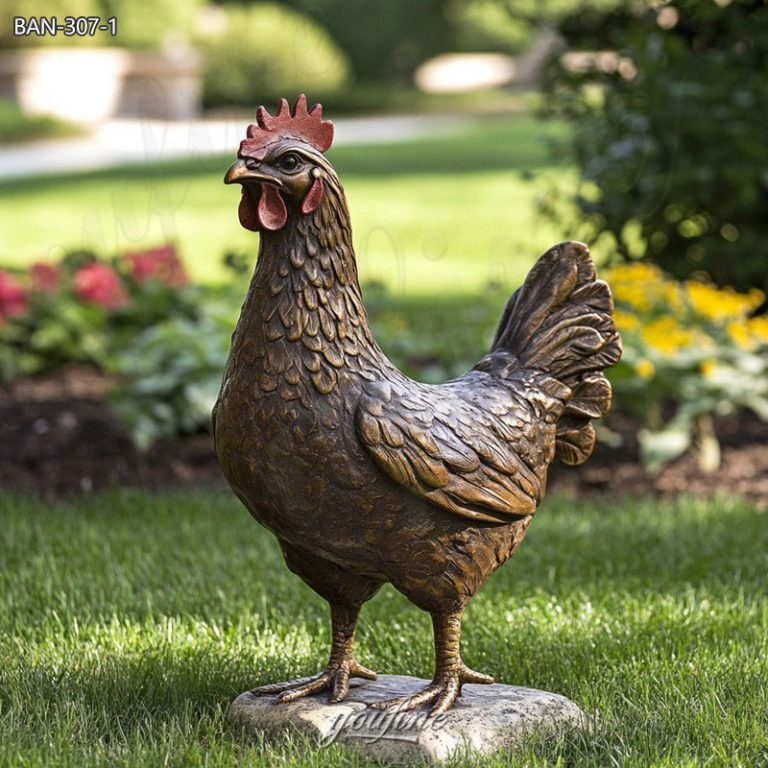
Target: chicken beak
x=240 y=173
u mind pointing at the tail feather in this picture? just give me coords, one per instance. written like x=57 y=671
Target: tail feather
x=575 y=441
x=591 y=399
x=561 y=321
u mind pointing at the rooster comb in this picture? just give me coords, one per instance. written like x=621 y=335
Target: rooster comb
x=307 y=126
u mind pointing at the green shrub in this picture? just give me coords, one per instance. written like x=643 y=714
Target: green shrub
x=171 y=374
x=670 y=140
x=149 y=24
x=16 y=126
x=264 y=52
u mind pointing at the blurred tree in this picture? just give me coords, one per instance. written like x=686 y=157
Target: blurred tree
x=264 y=51
x=384 y=41
x=510 y=25
x=669 y=133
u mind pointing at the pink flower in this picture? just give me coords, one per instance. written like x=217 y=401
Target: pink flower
x=100 y=284
x=161 y=264
x=13 y=302
x=45 y=277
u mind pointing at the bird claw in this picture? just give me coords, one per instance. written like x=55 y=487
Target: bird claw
x=335 y=676
x=468 y=675
x=273 y=688
x=443 y=691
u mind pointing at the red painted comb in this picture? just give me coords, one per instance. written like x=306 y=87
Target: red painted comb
x=307 y=126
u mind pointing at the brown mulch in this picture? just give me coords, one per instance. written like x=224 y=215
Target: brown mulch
x=58 y=437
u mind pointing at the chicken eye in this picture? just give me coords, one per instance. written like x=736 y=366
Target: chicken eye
x=289 y=162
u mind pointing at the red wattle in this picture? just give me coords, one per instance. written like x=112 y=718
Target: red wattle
x=262 y=210
x=246 y=211
x=271 y=211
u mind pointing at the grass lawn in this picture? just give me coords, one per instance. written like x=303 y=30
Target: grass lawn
x=433 y=215
x=130 y=621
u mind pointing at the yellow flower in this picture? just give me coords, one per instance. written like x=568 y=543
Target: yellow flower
x=719 y=304
x=641 y=272
x=644 y=368
x=758 y=327
x=749 y=334
x=631 y=294
x=740 y=335
x=626 y=321
x=643 y=286
x=665 y=336
x=708 y=367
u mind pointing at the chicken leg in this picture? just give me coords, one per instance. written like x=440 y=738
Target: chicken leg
x=450 y=671
x=341 y=666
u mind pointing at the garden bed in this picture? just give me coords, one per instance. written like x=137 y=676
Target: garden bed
x=59 y=437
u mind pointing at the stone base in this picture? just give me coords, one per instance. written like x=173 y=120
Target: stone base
x=486 y=718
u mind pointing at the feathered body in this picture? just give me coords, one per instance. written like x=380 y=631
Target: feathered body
x=366 y=476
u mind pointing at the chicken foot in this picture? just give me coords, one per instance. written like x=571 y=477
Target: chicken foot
x=450 y=671
x=341 y=666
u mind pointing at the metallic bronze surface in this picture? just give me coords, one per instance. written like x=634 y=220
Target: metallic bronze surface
x=364 y=475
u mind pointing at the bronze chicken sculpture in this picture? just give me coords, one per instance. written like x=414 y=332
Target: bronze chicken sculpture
x=364 y=475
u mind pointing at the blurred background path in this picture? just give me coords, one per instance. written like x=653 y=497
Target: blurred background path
x=120 y=142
